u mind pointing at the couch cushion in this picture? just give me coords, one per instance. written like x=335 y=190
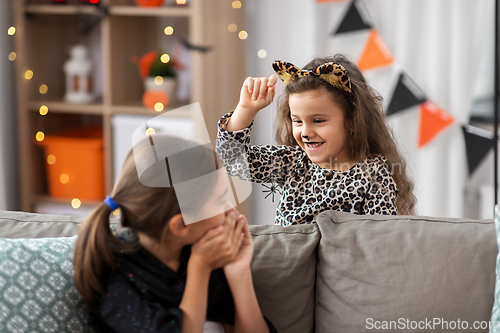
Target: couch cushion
x=399 y=273
x=495 y=313
x=284 y=273
x=31 y=225
x=37 y=292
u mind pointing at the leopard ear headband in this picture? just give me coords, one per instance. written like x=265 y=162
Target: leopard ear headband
x=331 y=72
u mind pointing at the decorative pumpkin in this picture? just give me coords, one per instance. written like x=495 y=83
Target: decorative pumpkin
x=145 y=62
x=149 y=3
x=151 y=97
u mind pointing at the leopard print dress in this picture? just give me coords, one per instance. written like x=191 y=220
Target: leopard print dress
x=307 y=189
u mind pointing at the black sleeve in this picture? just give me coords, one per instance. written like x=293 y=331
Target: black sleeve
x=270 y=325
x=122 y=309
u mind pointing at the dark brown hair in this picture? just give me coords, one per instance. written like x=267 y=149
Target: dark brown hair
x=364 y=118
x=144 y=209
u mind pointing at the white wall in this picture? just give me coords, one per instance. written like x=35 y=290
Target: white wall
x=8 y=133
x=283 y=29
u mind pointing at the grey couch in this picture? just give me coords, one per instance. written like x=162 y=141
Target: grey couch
x=344 y=273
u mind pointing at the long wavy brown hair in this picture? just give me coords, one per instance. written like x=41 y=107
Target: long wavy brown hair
x=364 y=119
x=144 y=209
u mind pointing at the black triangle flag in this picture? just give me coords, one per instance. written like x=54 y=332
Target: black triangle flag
x=478 y=143
x=355 y=19
x=406 y=95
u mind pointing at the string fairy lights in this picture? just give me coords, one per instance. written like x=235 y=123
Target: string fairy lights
x=51 y=159
x=11 y=31
x=76 y=203
x=232 y=27
x=159 y=107
x=158 y=80
x=64 y=178
x=43 y=89
x=40 y=136
x=43 y=110
x=243 y=34
x=168 y=30
x=28 y=75
x=165 y=58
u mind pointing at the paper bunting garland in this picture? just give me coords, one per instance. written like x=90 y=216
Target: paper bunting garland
x=478 y=143
x=355 y=19
x=433 y=121
x=406 y=95
x=376 y=54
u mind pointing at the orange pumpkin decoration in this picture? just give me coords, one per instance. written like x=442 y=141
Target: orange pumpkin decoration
x=151 y=97
x=145 y=62
x=149 y=3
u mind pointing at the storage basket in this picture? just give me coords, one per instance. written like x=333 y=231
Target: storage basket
x=74 y=163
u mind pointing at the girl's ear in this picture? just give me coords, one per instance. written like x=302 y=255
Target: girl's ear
x=177 y=227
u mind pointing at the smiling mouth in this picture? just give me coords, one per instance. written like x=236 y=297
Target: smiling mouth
x=313 y=144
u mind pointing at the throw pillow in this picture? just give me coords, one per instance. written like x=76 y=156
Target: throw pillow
x=284 y=275
x=37 y=292
x=404 y=273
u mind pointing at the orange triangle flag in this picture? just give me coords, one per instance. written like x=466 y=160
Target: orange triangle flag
x=376 y=54
x=433 y=121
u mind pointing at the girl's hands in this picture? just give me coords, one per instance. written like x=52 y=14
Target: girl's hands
x=257 y=93
x=243 y=258
x=219 y=245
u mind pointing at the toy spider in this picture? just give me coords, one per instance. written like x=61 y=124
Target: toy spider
x=272 y=190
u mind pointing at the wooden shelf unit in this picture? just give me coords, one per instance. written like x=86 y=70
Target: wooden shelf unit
x=46 y=31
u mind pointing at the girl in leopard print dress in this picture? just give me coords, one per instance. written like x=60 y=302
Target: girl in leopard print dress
x=335 y=149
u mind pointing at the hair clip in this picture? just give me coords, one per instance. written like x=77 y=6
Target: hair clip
x=332 y=72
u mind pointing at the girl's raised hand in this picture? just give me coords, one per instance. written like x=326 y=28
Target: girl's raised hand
x=219 y=245
x=257 y=93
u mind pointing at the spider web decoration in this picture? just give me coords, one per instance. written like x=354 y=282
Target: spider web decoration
x=272 y=189
x=89 y=22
